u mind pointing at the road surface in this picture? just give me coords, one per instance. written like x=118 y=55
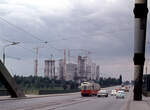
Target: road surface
x=72 y=101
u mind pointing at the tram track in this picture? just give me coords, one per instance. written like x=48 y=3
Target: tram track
x=52 y=105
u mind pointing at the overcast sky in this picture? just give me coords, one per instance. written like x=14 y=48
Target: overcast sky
x=103 y=27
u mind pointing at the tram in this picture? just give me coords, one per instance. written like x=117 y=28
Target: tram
x=89 y=88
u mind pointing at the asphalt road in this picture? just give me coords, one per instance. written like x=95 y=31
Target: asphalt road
x=66 y=102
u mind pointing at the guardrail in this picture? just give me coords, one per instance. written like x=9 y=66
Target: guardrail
x=146 y=93
x=4 y=92
x=43 y=92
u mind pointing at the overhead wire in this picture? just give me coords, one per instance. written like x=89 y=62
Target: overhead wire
x=37 y=38
x=6 y=40
x=30 y=50
x=18 y=45
x=30 y=34
x=21 y=29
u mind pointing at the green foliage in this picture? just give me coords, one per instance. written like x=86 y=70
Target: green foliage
x=1 y=85
x=31 y=83
x=120 y=79
x=106 y=82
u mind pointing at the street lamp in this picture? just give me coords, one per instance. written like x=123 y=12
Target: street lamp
x=4 y=47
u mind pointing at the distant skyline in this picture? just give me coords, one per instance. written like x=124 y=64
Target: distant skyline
x=104 y=27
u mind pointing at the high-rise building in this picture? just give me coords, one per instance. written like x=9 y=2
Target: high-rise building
x=61 y=69
x=93 y=72
x=82 y=69
x=97 y=72
x=88 y=71
x=46 y=68
x=70 y=71
x=49 y=70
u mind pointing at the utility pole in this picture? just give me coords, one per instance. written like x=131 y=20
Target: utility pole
x=64 y=64
x=146 y=71
x=75 y=76
x=36 y=62
x=146 y=68
x=54 y=68
x=51 y=66
x=140 y=12
x=68 y=56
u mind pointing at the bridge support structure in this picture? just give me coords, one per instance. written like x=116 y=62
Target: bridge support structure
x=140 y=12
x=10 y=83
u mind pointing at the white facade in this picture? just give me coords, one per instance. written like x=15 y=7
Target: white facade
x=61 y=69
x=93 y=72
x=49 y=69
x=88 y=71
x=70 y=71
x=97 y=72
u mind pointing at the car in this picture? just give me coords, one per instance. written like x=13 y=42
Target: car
x=120 y=94
x=113 y=93
x=126 y=89
x=102 y=93
x=122 y=89
x=117 y=89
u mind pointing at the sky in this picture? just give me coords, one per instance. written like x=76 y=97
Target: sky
x=103 y=27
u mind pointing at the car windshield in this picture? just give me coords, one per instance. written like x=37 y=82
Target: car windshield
x=102 y=91
x=120 y=91
x=113 y=91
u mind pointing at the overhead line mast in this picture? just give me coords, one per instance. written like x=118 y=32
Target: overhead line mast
x=140 y=12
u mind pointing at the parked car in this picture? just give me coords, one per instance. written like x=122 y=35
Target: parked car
x=102 y=93
x=120 y=94
x=113 y=93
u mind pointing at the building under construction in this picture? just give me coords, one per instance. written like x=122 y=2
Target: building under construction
x=70 y=71
x=49 y=70
x=61 y=70
x=80 y=71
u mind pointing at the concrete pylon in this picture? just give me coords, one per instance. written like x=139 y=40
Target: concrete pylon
x=10 y=83
x=140 y=12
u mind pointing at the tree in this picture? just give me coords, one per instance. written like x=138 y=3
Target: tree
x=120 y=79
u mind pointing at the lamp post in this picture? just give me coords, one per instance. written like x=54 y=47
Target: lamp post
x=5 y=46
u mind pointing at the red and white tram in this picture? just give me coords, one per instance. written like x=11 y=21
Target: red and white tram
x=89 y=88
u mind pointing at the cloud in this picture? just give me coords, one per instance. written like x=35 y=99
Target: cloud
x=104 y=27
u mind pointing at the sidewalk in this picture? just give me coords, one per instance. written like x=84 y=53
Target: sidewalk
x=137 y=105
